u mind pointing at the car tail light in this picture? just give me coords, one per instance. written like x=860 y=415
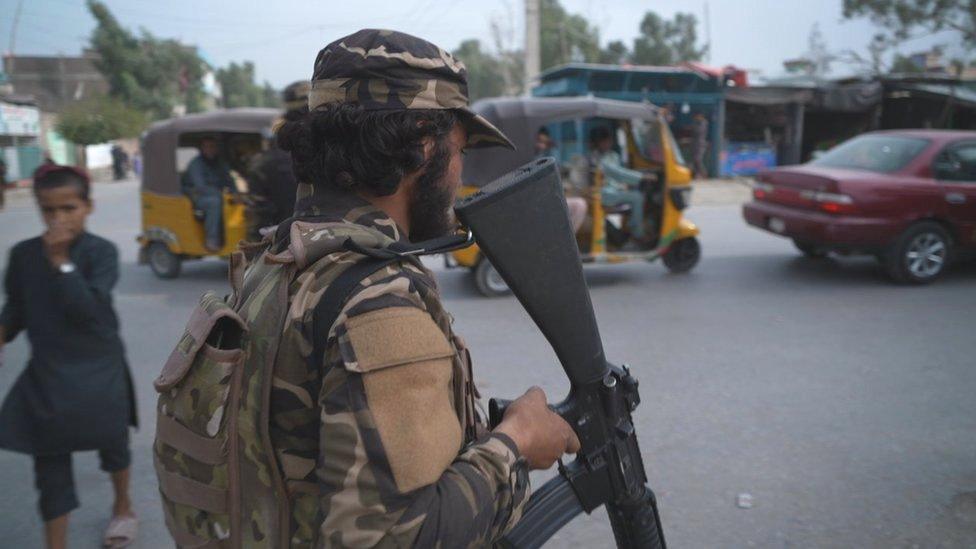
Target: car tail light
x=761 y=190
x=830 y=202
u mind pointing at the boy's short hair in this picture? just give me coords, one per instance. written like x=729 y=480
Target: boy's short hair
x=52 y=176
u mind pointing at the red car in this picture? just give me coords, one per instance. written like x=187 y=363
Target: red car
x=905 y=196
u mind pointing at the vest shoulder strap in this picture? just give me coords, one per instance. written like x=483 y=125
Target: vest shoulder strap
x=330 y=305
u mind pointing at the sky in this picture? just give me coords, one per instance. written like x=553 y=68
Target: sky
x=282 y=37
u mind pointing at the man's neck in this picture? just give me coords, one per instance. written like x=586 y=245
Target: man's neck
x=396 y=205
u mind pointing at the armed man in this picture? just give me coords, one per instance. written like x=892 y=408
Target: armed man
x=328 y=402
x=272 y=183
x=398 y=454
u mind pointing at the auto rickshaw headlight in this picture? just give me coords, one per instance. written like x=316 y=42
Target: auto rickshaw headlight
x=681 y=197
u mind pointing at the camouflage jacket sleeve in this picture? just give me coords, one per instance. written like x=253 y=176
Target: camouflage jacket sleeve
x=391 y=470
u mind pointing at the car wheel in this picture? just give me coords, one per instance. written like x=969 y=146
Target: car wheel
x=488 y=281
x=683 y=255
x=162 y=261
x=920 y=254
x=810 y=249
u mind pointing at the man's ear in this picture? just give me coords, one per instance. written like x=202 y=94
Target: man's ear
x=428 y=145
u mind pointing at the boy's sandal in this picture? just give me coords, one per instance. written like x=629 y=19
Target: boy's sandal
x=121 y=531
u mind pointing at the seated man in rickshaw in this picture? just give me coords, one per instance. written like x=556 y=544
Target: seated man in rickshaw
x=621 y=185
x=204 y=182
x=546 y=146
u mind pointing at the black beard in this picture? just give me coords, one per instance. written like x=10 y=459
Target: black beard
x=430 y=204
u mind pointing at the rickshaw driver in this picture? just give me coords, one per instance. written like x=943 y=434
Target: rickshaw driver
x=621 y=185
x=204 y=182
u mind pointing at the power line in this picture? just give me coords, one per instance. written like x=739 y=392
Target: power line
x=264 y=41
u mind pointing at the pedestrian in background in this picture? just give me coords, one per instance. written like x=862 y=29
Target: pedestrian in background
x=76 y=392
x=699 y=144
x=137 y=164
x=3 y=184
x=120 y=163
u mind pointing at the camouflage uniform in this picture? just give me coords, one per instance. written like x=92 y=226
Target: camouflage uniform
x=349 y=488
x=386 y=427
x=260 y=444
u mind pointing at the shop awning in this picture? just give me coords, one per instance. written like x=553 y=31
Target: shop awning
x=763 y=96
x=961 y=95
x=852 y=97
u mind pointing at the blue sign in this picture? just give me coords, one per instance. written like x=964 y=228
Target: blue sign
x=746 y=158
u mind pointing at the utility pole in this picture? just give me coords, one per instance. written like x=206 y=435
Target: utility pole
x=533 y=56
x=13 y=35
x=708 y=36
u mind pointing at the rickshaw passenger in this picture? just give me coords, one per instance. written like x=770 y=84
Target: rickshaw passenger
x=204 y=182
x=621 y=185
x=545 y=146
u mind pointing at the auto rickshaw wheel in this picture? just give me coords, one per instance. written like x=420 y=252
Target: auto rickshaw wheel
x=488 y=281
x=683 y=255
x=163 y=262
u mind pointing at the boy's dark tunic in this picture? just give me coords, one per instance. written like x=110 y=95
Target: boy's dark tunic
x=76 y=392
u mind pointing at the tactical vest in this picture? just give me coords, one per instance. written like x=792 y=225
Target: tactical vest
x=218 y=475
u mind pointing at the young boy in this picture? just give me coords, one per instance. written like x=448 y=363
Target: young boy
x=76 y=392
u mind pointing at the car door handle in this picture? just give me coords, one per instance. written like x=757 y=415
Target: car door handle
x=955 y=198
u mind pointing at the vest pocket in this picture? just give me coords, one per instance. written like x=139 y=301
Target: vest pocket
x=196 y=427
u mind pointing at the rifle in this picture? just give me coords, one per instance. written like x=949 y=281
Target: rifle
x=521 y=224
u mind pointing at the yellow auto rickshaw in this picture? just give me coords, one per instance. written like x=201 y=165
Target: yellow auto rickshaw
x=645 y=143
x=172 y=230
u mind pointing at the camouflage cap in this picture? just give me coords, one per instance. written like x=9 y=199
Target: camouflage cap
x=390 y=70
x=295 y=95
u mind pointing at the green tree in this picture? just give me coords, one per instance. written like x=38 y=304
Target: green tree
x=565 y=37
x=616 y=53
x=240 y=90
x=271 y=96
x=99 y=119
x=150 y=74
x=905 y=65
x=485 y=76
x=663 y=42
x=902 y=18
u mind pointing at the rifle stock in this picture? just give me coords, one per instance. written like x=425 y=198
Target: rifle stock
x=520 y=220
x=521 y=224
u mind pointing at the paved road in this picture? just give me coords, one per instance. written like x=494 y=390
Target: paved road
x=841 y=403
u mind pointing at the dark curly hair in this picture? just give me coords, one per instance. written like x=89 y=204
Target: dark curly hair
x=347 y=147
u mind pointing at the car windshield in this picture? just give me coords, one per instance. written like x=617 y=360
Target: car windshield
x=875 y=153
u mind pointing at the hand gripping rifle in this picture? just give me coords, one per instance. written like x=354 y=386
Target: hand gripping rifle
x=522 y=226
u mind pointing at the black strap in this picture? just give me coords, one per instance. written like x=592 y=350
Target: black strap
x=330 y=305
x=439 y=245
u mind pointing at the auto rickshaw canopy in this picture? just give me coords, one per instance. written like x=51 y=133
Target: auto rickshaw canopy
x=520 y=119
x=159 y=143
